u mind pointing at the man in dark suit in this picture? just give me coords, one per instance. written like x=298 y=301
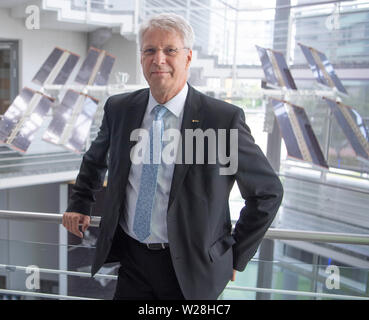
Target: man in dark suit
x=168 y=222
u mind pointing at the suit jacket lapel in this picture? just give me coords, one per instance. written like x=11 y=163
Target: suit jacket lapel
x=192 y=119
x=132 y=120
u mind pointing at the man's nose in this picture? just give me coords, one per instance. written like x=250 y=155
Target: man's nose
x=159 y=57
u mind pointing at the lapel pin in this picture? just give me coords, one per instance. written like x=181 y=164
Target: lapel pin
x=195 y=121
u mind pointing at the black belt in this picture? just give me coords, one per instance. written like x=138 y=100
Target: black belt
x=150 y=246
x=156 y=246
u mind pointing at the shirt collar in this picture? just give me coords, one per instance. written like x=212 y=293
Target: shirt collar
x=174 y=105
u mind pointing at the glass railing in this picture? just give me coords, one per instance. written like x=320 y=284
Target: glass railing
x=35 y=270
x=57 y=265
x=292 y=280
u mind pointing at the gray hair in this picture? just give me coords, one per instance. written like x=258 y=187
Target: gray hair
x=169 y=22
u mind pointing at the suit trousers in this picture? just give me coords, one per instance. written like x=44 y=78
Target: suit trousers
x=144 y=274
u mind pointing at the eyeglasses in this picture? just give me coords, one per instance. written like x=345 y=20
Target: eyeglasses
x=168 y=51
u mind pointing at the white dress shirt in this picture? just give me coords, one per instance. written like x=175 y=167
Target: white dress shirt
x=172 y=119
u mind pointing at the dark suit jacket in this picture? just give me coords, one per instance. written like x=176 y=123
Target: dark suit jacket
x=203 y=248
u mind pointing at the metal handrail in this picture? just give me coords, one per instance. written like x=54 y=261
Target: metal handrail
x=331 y=185
x=42 y=295
x=316 y=236
x=114 y=277
x=272 y=233
x=237 y=288
x=298 y=293
x=40 y=217
x=14 y=268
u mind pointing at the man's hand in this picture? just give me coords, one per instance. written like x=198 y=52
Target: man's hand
x=234 y=275
x=71 y=221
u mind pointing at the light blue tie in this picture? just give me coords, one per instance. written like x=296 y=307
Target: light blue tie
x=146 y=195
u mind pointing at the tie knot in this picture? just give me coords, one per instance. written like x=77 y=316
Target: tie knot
x=159 y=111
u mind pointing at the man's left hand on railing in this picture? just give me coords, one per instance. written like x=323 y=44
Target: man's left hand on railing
x=72 y=220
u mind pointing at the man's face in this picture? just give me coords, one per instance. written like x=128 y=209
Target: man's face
x=164 y=61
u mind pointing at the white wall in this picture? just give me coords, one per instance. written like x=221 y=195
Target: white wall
x=36 y=45
x=125 y=52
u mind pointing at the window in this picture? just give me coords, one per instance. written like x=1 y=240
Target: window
x=8 y=73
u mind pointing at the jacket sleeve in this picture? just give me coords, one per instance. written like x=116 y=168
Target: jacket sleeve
x=92 y=170
x=262 y=191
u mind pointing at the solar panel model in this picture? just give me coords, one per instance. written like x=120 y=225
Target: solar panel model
x=347 y=120
x=23 y=118
x=297 y=133
x=322 y=69
x=72 y=118
x=275 y=68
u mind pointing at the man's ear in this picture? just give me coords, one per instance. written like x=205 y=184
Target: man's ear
x=189 y=58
